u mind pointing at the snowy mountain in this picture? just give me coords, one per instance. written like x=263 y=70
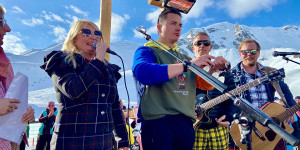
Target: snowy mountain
x=225 y=39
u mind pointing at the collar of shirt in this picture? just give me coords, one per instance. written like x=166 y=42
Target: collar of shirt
x=151 y=44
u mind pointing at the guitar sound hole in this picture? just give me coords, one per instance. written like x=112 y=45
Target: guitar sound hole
x=270 y=134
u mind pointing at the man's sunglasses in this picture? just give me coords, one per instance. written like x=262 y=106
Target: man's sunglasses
x=205 y=42
x=88 y=33
x=50 y=105
x=252 y=52
x=3 y=22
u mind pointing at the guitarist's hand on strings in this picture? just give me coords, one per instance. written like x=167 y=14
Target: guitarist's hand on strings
x=290 y=119
x=221 y=122
x=198 y=116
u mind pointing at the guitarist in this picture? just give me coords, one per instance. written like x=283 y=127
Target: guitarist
x=248 y=70
x=214 y=134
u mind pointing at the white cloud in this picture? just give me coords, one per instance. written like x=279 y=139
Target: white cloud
x=60 y=33
x=17 y=10
x=77 y=10
x=52 y=17
x=33 y=22
x=152 y=17
x=242 y=8
x=73 y=19
x=197 y=10
x=13 y=44
x=205 y=20
x=117 y=23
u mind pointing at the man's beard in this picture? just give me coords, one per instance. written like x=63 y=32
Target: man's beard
x=251 y=64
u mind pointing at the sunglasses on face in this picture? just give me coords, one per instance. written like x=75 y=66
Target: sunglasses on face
x=50 y=105
x=88 y=33
x=3 y=22
x=205 y=42
x=252 y=52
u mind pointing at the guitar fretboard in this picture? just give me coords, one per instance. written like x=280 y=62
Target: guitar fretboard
x=224 y=97
x=289 y=112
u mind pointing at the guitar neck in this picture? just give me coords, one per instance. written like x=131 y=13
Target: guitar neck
x=289 y=112
x=224 y=97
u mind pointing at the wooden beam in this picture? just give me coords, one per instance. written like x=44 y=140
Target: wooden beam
x=105 y=21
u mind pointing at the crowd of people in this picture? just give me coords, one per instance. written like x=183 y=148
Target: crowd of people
x=90 y=113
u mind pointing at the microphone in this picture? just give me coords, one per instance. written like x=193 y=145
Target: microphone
x=108 y=50
x=275 y=53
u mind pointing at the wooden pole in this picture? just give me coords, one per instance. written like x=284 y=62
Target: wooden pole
x=105 y=21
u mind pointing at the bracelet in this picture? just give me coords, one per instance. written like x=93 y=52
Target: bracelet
x=185 y=65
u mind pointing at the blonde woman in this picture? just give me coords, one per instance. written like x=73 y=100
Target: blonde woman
x=85 y=83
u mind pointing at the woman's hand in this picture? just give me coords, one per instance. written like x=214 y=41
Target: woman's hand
x=8 y=105
x=51 y=113
x=101 y=50
x=29 y=115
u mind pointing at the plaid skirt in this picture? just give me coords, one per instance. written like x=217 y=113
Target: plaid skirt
x=212 y=139
x=83 y=142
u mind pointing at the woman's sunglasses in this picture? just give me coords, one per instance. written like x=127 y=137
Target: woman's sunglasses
x=205 y=42
x=88 y=33
x=3 y=22
x=252 y=52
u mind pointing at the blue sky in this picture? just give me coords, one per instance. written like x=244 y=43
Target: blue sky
x=37 y=24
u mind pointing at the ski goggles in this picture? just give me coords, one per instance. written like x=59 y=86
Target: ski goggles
x=204 y=42
x=88 y=33
x=3 y=22
x=252 y=52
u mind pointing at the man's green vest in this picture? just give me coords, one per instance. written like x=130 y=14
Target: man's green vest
x=170 y=98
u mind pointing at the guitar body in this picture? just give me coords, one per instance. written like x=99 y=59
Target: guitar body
x=204 y=117
x=271 y=138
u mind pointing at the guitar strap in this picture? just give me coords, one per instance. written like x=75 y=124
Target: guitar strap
x=275 y=84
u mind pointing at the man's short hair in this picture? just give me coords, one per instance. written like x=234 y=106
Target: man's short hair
x=249 y=41
x=163 y=15
x=297 y=97
x=201 y=33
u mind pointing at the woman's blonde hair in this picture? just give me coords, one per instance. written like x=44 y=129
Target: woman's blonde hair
x=2 y=11
x=69 y=45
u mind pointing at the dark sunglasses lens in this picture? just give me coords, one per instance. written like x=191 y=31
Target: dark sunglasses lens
x=86 y=31
x=98 y=33
x=205 y=42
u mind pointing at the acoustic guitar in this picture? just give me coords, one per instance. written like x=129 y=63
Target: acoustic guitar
x=263 y=137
